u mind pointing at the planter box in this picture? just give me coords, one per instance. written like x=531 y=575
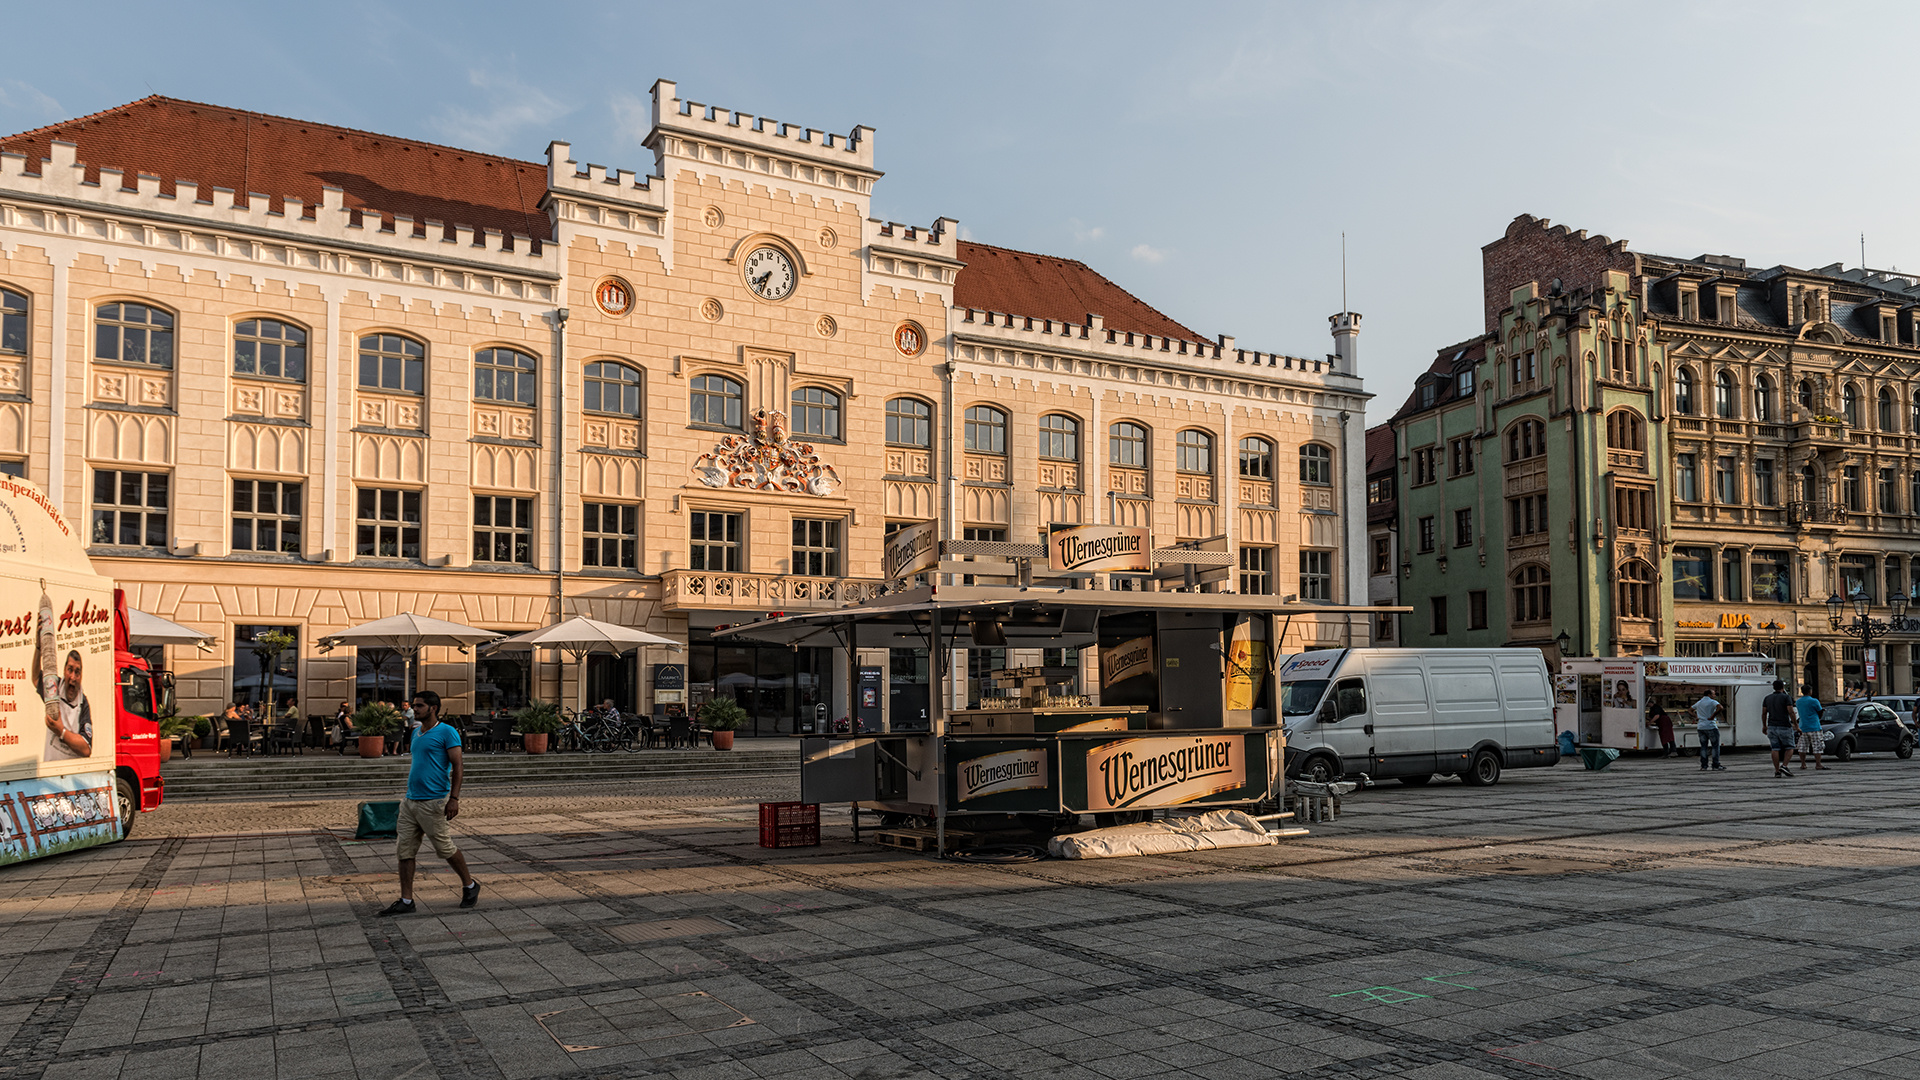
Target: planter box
x=372 y=746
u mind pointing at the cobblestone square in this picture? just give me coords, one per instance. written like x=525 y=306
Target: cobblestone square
x=1643 y=921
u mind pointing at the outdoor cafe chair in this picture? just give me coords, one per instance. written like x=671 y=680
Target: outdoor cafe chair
x=499 y=733
x=679 y=733
x=239 y=738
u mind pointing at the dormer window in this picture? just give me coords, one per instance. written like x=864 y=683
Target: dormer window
x=1428 y=391
x=1466 y=383
x=1689 y=303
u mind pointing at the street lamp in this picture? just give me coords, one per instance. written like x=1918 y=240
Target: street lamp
x=1864 y=627
x=1563 y=641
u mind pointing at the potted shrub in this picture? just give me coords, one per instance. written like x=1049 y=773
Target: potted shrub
x=203 y=729
x=176 y=729
x=721 y=716
x=537 y=723
x=373 y=722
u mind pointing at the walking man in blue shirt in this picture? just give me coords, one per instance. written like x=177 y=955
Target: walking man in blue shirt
x=433 y=800
x=1810 y=737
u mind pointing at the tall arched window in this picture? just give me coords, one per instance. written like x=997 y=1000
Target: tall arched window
x=1127 y=445
x=1626 y=431
x=271 y=348
x=1526 y=439
x=1804 y=394
x=816 y=412
x=909 y=422
x=395 y=363
x=1633 y=591
x=1059 y=437
x=1256 y=459
x=1764 y=406
x=13 y=322
x=133 y=334
x=1316 y=465
x=1683 y=392
x=1889 y=415
x=715 y=400
x=1532 y=595
x=986 y=430
x=1850 y=405
x=504 y=375
x=1723 y=395
x=1193 y=452
x=612 y=389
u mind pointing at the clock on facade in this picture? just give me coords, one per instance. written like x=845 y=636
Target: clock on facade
x=770 y=273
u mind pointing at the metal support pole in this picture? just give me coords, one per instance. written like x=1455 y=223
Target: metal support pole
x=937 y=725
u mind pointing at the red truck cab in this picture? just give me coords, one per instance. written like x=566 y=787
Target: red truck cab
x=139 y=697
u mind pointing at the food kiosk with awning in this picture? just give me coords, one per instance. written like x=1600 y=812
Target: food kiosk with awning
x=1183 y=715
x=1605 y=701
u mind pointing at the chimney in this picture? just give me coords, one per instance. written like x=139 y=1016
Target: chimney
x=1346 y=341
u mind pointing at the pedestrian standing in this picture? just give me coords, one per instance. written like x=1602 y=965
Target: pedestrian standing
x=1811 y=738
x=1706 y=724
x=433 y=800
x=1777 y=710
x=1661 y=722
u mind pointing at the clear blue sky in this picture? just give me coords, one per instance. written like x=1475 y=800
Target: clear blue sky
x=1206 y=156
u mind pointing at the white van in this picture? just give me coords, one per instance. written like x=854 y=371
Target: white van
x=1411 y=713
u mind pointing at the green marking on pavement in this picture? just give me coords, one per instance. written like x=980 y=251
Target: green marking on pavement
x=1385 y=995
x=1442 y=979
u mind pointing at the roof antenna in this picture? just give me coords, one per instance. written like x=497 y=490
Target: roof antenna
x=1863 y=253
x=1343 y=270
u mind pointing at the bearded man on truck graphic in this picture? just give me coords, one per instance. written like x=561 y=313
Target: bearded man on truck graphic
x=69 y=714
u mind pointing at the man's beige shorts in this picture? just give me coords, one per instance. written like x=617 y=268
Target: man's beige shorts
x=427 y=819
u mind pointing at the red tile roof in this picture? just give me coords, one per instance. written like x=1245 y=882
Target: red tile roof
x=281 y=158
x=1380 y=448
x=1048 y=287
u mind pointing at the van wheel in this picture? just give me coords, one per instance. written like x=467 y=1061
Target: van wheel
x=1843 y=750
x=1485 y=770
x=127 y=803
x=1416 y=781
x=1904 y=750
x=1318 y=770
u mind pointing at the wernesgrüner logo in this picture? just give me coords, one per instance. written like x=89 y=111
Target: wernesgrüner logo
x=1165 y=772
x=1012 y=770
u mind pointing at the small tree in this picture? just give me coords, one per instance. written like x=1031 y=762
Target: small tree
x=267 y=648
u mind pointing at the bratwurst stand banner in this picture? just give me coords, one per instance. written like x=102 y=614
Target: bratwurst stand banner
x=1099 y=549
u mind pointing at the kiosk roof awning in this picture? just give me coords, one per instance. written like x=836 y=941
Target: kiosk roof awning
x=1026 y=618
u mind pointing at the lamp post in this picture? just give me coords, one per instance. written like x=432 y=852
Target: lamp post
x=1865 y=627
x=1563 y=642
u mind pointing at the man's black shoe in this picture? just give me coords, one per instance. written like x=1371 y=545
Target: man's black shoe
x=399 y=907
x=470 y=895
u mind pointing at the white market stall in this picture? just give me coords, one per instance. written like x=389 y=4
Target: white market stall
x=1605 y=701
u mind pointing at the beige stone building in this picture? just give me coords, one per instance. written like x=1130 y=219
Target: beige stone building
x=297 y=377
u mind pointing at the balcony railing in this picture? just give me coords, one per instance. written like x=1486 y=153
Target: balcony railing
x=1815 y=431
x=708 y=589
x=1816 y=513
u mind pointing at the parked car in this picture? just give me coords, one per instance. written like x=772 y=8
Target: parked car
x=1905 y=706
x=1864 y=726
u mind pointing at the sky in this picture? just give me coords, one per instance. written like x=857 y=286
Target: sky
x=1209 y=157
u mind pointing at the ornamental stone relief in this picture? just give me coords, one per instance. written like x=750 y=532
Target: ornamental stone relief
x=767 y=460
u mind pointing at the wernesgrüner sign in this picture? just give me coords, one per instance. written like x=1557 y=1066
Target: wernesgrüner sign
x=1008 y=771
x=1163 y=771
x=911 y=550
x=1098 y=549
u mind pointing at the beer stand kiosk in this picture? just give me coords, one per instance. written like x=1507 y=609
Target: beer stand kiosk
x=1185 y=718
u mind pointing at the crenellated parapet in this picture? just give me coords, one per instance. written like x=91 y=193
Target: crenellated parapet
x=605 y=199
x=925 y=258
x=1095 y=340
x=784 y=153
x=56 y=197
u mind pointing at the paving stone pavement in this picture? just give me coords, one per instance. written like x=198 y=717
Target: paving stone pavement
x=1643 y=921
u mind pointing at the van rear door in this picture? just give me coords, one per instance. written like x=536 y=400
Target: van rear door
x=1528 y=696
x=1402 y=717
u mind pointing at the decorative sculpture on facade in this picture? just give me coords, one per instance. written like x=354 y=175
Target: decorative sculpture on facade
x=767 y=460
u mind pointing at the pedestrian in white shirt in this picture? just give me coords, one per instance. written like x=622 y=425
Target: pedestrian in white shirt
x=1706 y=712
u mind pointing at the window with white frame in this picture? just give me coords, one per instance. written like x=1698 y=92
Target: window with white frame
x=266 y=516
x=717 y=541
x=1256 y=570
x=387 y=523
x=610 y=536
x=130 y=508
x=1316 y=575
x=816 y=547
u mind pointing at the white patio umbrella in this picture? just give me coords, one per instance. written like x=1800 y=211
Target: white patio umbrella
x=145 y=629
x=404 y=635
x=580 y=637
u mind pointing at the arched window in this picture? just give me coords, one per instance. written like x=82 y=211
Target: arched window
x=1850 y=405
x=392 y=362
x=1764 y=406
x=715 y=400
x=133 y=334
x=1526 y=439
x=1723 y=395
x=1683 y=391
x=816 y=412
x=1193 y=452
x=612 y=389
x=13 y=322
x=1316 y=465
x=1256 y=459
x=1626 y=431
x=1889 y=415
x=909 y=422
x=1532 y=595
x=1810 y=486
x=1127 y=445
x=1805 y=394
x=1633 y=591
x=1619 y=360
x=504 y=375
x=1059 y=437
x=986 y=430
x=270 y=347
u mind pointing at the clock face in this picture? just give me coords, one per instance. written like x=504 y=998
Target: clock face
x=770 y=273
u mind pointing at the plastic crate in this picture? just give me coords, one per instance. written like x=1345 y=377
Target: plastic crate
x=789 y=824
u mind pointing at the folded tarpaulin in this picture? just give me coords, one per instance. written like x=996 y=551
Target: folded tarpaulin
x=1201 y=832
